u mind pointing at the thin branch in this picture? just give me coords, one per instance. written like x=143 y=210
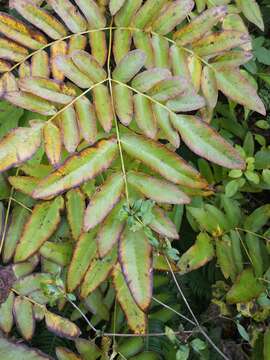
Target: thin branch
x=193 y=315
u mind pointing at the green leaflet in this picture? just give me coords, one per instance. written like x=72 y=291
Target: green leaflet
x=86 y=119
x=75 y=206
x=41 y=225
x=149 y=10
x=135 y=316
x=115 y=6
x=66 y=354
x=103 y=201
x=19 y=145
x=59 y=253
x=206 y=142
x=61 y=326
x=88 y=65
x=20 y=32
x=110 y=231
x=31 y=283
x=6 y=314
x=11 y=351
x=145 y=80
x=144 y=116
x=69 y=14
x=163 y=225
x=200 y=25
x=52 y=143
x=84 y=253
x=24 y=317
x=19 y=217
x=129 y=66
x=234 y=85
x=78 y=169
x=171 y=15
x=240 y=292
x=47 y=89
x=24 y=184
x=136 y=261
x=158 y=190
x=92 y=12
x=40 y=64
x=87 y=349
x=198 y=255
x=40 y=18
x=98 y=272
x=252 y=12
x=171 y=166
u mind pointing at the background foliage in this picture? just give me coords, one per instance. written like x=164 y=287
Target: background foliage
x=217 y=304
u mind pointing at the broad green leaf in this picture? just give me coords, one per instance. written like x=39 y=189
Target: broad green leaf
x=252 y=12
x=31 y=283
x=98 y=44
x=258 y=218
x=225 y=257
x=217 y=43
x=130 y=347
x=66 y=354
x=206 y=142
x=163 y=161
x=143 y=42
x=121 y=44
x=69 y=129
x=98 y=272
x=163 y=224
x=160 y=48
x=40 y=18
x=136 y=261
x=19 y=217
x=198 y=255
x=19 y=145
x=237 y=88
x=59 y=253
x=6 y=314
x=146 y=80
x=172 y=15
x=109 y=231
x=156 y=189
x=240 y=292
x=200 y=25
x=95 y=303
x=103 y=201
x=21 y=33
x=38 y=229
x=61 y=326
x=47 y=89
x=69 y=14
x=115 y=6
x=83 y=255
x=24 y=317
x=10 y=112
x=52 y=143
x=25 y=268
x=11 y=351
x=78 y=169
x=188 y=102
x=136 y=318
x=88 y=349
x=75 y=206
x=129 y=66
x=88 y=65
x=266 y=344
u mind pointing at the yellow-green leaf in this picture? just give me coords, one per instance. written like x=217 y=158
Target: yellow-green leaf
x=61 y=326
x=136 y=261
x=24 y=317
x=41 y=225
